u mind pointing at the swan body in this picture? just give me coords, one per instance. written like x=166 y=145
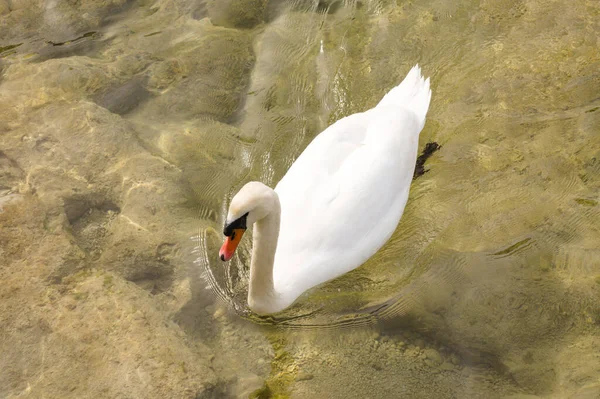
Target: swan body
x=337 y=205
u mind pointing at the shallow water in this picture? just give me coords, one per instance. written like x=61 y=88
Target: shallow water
x=153 y=115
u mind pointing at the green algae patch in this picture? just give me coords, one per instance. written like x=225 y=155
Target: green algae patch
x=513 y=247
x=84 y=36
x=262 y=393
x=586 y=202
x=6 y=50
x=283 y=371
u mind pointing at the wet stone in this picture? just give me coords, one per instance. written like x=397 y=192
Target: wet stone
x=122 y=99
x=243 y=14
x=433 y=355
x=447 y=366
x=304 y=376
x=455 y=360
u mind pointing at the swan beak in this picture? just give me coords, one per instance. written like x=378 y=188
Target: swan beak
x=231 y=244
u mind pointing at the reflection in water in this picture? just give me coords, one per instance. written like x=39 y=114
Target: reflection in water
x=488 y=288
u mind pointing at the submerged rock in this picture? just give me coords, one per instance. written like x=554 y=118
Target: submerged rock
x=433 y=355
x=244 y=14
x=94 y=326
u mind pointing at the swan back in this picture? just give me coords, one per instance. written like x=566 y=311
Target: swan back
x=343 y=197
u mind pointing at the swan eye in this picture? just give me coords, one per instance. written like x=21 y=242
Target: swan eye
x=239 y=223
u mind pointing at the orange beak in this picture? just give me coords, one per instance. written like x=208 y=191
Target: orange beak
x=230 y=245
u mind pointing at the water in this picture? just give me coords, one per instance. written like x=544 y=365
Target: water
x=490 y=285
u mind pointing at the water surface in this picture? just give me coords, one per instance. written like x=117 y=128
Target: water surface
x=162 y=111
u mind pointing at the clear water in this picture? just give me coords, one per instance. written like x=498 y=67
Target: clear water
x=490 y=286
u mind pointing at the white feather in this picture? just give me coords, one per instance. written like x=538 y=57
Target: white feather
x=343 y=197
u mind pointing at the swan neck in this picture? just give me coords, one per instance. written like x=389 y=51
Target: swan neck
x=262 y=297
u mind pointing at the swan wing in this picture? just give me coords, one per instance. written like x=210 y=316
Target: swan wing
x=343 y=197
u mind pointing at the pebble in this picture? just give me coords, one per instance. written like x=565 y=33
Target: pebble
x=454 y=359
x=304 y=376
x=220 y=312
x=433 y=355
x=447 y=366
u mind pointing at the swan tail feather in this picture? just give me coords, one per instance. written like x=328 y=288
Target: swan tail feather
x=413 y=93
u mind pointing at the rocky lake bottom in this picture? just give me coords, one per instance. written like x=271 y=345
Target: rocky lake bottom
x=126 y=127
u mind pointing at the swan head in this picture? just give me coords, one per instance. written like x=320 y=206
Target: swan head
x=253 y=202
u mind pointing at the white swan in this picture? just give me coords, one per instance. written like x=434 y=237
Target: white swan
x=337 y=205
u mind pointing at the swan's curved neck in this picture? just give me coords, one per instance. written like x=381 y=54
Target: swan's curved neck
x=262 y=296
